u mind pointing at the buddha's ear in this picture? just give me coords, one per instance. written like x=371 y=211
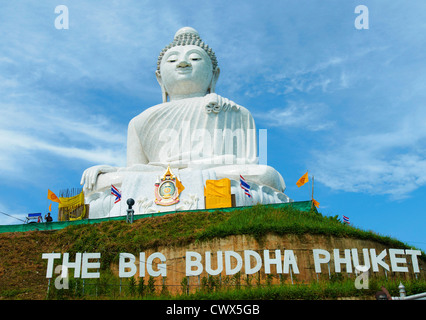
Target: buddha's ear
x=163 y=89
x=215 y=77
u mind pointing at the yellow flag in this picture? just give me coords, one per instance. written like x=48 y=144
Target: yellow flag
x=316 y=203
x=50 y=207
x=302 y=180
x=179 y=186
x=52 y=196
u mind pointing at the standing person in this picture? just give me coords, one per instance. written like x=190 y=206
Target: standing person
x=48 y=218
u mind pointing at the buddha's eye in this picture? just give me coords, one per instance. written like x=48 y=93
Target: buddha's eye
x=172 y=58
x=195 y=57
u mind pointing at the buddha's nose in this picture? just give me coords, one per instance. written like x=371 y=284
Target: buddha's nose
x=183 y=64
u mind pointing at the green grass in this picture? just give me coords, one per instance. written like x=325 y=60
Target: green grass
x=112 y=288
x=260 y=221
x=312 y=291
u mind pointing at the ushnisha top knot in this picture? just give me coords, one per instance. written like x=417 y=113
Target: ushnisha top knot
x=188 y=36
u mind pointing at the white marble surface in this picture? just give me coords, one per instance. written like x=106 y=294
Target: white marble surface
x=140 y=187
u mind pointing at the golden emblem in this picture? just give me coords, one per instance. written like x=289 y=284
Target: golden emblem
x=168 y=189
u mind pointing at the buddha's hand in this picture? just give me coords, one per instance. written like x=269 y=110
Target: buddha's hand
x=90 y=175
x=216 y=103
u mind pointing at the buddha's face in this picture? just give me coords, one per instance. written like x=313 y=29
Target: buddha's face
x=186 y=71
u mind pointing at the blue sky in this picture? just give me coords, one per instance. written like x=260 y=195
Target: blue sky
x=348 y=105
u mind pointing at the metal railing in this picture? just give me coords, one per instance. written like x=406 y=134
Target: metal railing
x=403 y=296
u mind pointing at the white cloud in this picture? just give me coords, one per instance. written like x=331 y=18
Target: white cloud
x=391 y=162
x=309 y=116
x=8 y=216
x=25 y=135
x=46 y=75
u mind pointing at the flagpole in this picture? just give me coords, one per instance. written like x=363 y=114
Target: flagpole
x=110 y=205
x=312 y=202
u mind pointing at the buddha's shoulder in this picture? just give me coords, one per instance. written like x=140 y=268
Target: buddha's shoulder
x=189 y=105
x=141 y=117
x=220 y=104
x=229 y=104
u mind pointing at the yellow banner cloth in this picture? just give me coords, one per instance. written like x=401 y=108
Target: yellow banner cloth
x=73 y=203
x=218 y=193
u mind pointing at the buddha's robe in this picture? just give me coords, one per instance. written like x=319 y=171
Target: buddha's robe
x=194 y=133
x=186 y=133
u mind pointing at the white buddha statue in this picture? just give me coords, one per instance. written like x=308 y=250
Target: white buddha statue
x=197 y=133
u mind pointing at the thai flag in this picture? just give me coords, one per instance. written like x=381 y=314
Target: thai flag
x=346 y=219
x=116 y=193
x=245 y=186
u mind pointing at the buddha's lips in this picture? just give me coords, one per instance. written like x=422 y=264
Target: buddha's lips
x=184 y=69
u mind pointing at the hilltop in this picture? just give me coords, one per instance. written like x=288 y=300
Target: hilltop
x=22 y=271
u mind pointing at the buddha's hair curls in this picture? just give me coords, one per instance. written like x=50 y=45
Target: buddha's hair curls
x=188 y=38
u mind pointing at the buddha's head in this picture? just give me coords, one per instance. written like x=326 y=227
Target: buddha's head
x=187 y=67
